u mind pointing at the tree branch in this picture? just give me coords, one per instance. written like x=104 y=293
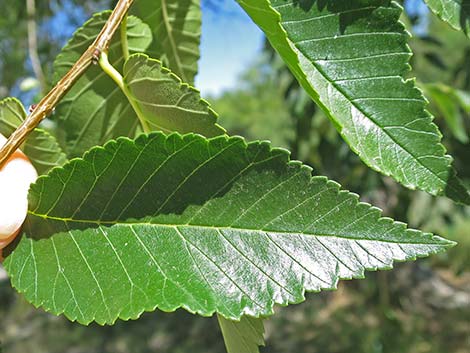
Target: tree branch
x=48 y=103
x=33 y=45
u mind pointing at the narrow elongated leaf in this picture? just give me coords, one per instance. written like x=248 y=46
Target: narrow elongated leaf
x=95 y=110
x=464 y=99
x=208 y=225
x=168 y=104
x=40 y=147
x=244 y=336
x=449 y=104
x=350 y=56
x=455 y=12
x=176 y=27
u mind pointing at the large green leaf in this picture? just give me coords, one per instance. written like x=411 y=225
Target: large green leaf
x=176 y=27
x=95 y=110
x=208 y=225
x=351 y=56
x=167 y=103
x=40 y=147
x=244 y=336
x=455 y=12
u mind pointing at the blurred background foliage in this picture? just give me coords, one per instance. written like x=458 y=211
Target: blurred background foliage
x=420 y=307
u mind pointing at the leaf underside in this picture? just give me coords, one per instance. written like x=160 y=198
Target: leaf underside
x=207 y=225
x=168 y=104
x=95 y=110
x=455 y=12
x=244 y=336
x=40 y=147
x=351 y=56
x=176 y=28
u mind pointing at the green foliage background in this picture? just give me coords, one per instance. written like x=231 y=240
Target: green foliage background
x=419 y=307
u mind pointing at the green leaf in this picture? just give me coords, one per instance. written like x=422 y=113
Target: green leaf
x=350 y=56
x=449 y=102
x=463 y=99
x=167 y=103
x=455 y=12
x=40 y=147
x=95 y=110
x=244 y=336
x=176 y=27
x=207 y=225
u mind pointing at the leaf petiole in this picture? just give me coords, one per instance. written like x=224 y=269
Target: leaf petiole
x=109 y=69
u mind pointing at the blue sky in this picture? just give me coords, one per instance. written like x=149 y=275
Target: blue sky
x=229 y=43
x=418 y=7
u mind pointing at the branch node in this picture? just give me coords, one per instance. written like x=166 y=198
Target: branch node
x=96 y=56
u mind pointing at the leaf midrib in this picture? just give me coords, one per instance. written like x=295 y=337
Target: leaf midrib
x=171 y=39
x=201 y=226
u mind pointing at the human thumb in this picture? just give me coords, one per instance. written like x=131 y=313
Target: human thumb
x=15 y=177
